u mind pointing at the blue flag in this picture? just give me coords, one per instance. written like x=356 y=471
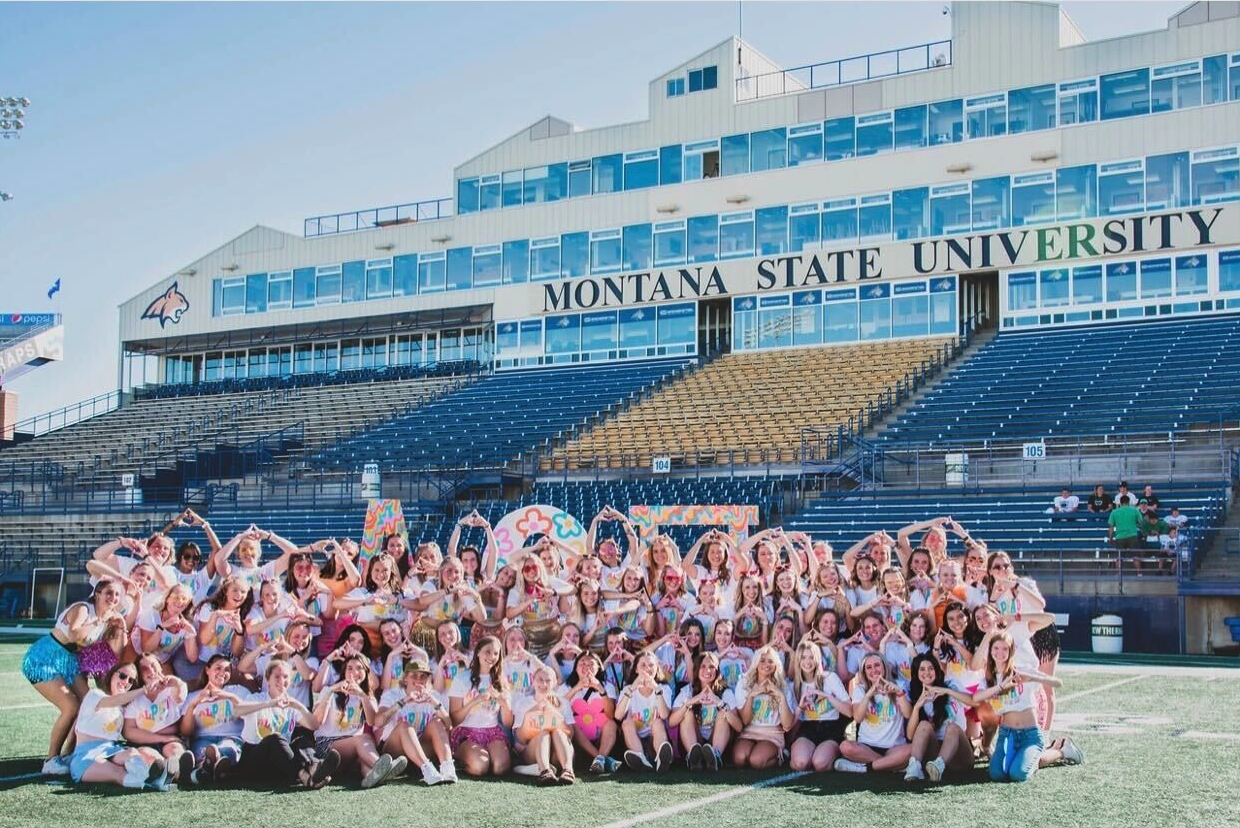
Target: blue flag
x=54 y=289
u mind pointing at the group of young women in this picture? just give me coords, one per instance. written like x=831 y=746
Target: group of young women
x=318 y=665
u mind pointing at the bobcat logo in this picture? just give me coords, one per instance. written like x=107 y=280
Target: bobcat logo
x=167 y=307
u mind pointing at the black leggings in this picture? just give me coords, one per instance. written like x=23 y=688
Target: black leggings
x=276 y=760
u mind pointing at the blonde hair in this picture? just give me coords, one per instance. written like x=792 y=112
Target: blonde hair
x=799 y=678
x=751 y=675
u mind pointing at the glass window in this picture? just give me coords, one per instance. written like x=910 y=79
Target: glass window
x=449 y=345
x=840 y=318
x=1125 y=93
x=1166 y=181
x=874 y=134
x=327 y=285
x=771 y=227
x=506 y=338
x=839 y=220
x=214 y=366
x=675 y=87
x=641 y=170
x=804 y=144
x=991 y=203
x=703 y=239
x=775 y=324
x=608 y=173
x=378 y=278
x=701 y=160
x=1214 y=79
x=637 y=245
x=256 y=293
x=1190 y=275
x=1053 y=285
x=637 y=328
x=579 y=179
x=488 y=265
x=432 y=272
x=543 y=184
x=1031 y=109
x=744 y=326
x=910 y=314
x=1033 y=198
x=280 y=290
x=669 y=243
x=943 y=306
x=1022 y=291
x=405 y=275
x=911 y=128
x=1121 y=188
x=545 y=258
x=910 y=213
x=233 y=295
x=303 y=287
x=467 y=195
x=258 y=364
x=736 y=235
x=418 y=354
x=950 y=210
x=517 y=262
x=1233 y=80
x=1229 y=270
x=460 y=268
x=710 y=77
x=1121 y=281
x=804 y=230
x=946 y=122
x=986 y=116
x=1078 y=102
x=874 y=218
x=1175 y=87
x=807 y=318
x=353 y=282
x=875 y=314
x=574 y=254
x=1087 y=285
x=1076 y=192
x=767 y=150
x=1215 y=175
x=605 y=251
x=677 y=324
x=488 y=192
x=303 y=359
x=670 y=164
x=512 y=184
x=736 y=154
x=695 y=80
x=350 y=354
x=1155 y=278
x=563 y=334
x=598 y=331
x=840 y=138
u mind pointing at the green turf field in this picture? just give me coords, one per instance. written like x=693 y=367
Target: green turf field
x=1162 y=748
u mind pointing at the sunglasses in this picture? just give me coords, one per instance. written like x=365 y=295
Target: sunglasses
x=128 y=678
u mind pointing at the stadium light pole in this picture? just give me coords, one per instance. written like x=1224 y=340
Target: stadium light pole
x=13 y=115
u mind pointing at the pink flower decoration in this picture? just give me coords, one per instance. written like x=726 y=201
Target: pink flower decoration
x=504 y=539
x=589 y=716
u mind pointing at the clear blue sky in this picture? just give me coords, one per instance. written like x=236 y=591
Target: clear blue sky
x=162 y=130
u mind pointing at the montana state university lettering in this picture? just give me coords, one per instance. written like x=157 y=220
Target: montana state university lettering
x=953 y=254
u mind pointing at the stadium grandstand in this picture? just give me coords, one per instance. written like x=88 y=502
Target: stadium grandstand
x=950 y=286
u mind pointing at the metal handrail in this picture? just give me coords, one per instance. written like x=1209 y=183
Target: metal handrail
x=840 y=72
x=374 y=217
x=70 y=414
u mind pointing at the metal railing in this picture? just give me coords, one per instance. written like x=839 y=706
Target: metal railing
x=855 y=69
x=373 y=217
x=55 y=420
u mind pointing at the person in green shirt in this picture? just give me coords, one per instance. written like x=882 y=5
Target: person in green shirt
x=1124 y=531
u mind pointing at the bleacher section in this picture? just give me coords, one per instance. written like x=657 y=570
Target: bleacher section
x=387 y=373
x=1010 y=519
x=1117 y=379
x=749 y=407
x=492 y=421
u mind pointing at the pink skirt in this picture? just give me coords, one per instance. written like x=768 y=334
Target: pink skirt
x=480 y=736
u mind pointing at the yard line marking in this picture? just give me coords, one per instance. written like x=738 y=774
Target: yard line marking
x=706 y=800
x=1205 y=734
x=23 y=706
x=732 y=793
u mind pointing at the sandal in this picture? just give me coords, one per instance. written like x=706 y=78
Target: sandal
x=567 y=777
x=547 y=777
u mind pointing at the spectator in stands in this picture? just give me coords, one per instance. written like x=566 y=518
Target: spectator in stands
x=1176 y=519
x=1098 y=502
x=1125 y=497
x=1124 y=529
x=1148 y=503
x=1066 y=503
x=1171 y=545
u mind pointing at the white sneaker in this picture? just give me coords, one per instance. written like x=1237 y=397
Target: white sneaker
x=447 y=771
x=935 y=769
x=913 y=772
x=378 y=773
x=56 y=766
x=136 y=771
x=849 y=766
x=1072 y=754
x=431 y=776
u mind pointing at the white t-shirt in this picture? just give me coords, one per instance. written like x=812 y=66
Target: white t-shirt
x=150 y=621
x=643 y=709
x=858 y=596
x=157 y=713
x=338 y=721
x=415 y=714
x=98 y=723
x=448 y=607
x=268 y=634
x=485 y=714
x=975 y=596
x=764 y=709
x=707 y=715
x=1067 y=504
x=253 y=576
x=733 y=667
x=955 y=715
x=1177 y=521
x=217 y=718
x=268 y=721
x=1021 y=697
x=900 y=660
x=299 y=685
x=198 y=581
x=883 y=725
x=524 y=705
x=1130 y=498
x=821 y=708
x=375 y=611
x=154 y=592
x=219 y=637
x=520 y=675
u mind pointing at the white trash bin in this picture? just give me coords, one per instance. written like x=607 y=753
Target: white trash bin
x=1108 y=634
